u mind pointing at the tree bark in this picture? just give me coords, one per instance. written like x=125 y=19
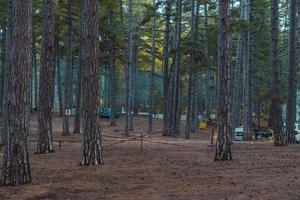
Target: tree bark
x=68 y=72
x=208 y=98
x=7 y=73
x=292 y=93
x=45 y=138
x=3 y=52
x=16 y=167
x=191 y=74
x=77 y=120
x=175 y=108
x=112 y=73
x=279 y=135
x=128 y=72
x=166 y=75
x=224 y=141
x=58 y=71
x=92 y=136
x=195 y=77
x=35 y=73
x=151 y=85
x=236 y=98
x=247 y=118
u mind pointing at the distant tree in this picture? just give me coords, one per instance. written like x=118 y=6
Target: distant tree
x=77 y=120
x=45 y=139
x=35 y=100
x=191 y=85
x=276 y=113
x=166 y=71
x=68 y=71
x=112 y=70
x=58 y=66
x=208 y=100
x=151 y=85
x=223 y=146
x=247 y=75
x=16 y=167
x=292 y=93
x=92 y=140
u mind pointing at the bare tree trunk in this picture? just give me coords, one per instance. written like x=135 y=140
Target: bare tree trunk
x=92 y=140
x=166 y=76
x=151 y=86
x=44 y=136
x=134 y=81
x=16 y=167
x=191 y=74
x=279 y=135
x=224 y=140
x=292 y=93
x=77 y=120
x=195 y=77
x=112 y=73
x=35 y=74
x=236 y=98
x=208 y=99
x=128 y=72
x=58 y=71
x=3 y=52
x=247 y=119
x=175 y=109
x=7 y=73
x=68 y=72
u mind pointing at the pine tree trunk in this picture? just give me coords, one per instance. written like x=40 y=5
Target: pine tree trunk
x=279 y=135
x=16 y=167
x=68 y=71
x=112 y=73
x=175 y=109
x=191 y=74
x=292 y=93
x=57 y=64
x=35 y=74
x=236 y=98
x=45 y=138
x=3 y=52
x=7 y=73
x=128 y=73
x=92 y=136
x=151 y=85
x=247 y=75
x=77 y=120
x=112 y=89
x=223 y=146
x=208 y=71
x=195 y=77
x=166 y=76
x=135 y=68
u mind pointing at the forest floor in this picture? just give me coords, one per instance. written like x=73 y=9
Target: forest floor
x=167 y=168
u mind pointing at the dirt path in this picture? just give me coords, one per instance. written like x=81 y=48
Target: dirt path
x=162 y=171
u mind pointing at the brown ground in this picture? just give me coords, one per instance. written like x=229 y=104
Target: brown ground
x=162 y=171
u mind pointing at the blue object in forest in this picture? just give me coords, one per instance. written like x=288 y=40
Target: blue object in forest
x=106 y=112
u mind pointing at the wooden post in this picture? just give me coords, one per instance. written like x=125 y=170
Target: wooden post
x=212 y=137
x=59 y=146
x=141 y=141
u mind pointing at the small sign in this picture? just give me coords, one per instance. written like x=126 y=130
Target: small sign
x=68 y=112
